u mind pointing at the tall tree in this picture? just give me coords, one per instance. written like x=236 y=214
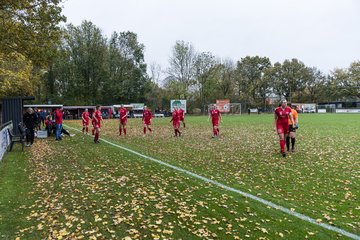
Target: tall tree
x=204 y=67
x=315 y=87
x=225 y=82
x=346 y=82
x=30 y=28
x=291 y=78
x=80 y=69
x=251 y=84
x=156 y=73
x=127 y=67
x=15 y=75
x=181 y=69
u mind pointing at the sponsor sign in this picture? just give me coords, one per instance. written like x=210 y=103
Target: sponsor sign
x=179 y=104
x=347 y=110
x=223 y=105
x=137 y=106
x=4 y=140
x=42 y=134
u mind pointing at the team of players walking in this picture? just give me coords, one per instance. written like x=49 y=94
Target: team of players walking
x=285 y=124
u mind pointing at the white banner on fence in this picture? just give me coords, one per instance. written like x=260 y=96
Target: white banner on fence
x=179 y=104
x=4 y=140
x=321 y=110
x=347 y=110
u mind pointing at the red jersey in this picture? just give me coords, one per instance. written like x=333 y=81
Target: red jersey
x=181 y=113
x=215 y=114
x=176 y=116
x=97 y=116
x=147 y=115
x=47 y=123
x=58 y=116
x=282 y=115
x=123 y=113
x=85 y=116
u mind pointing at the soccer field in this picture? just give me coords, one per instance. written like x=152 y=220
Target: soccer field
x=79 y=189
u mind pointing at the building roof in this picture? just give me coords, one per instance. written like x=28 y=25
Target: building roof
x=43 y=105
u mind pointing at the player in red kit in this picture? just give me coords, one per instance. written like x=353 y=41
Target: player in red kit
x=85 y=120
x=93 y=123
x=281 y=123
x=182 y=116
x=147 y=116
x=215 y=116
x=123 y=112
x=98 y=121
x=175 y=119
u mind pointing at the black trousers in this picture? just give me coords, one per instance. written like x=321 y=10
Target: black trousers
x=64 y=131
x=30 y=134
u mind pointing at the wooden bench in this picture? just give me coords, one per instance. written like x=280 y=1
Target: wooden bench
x=17 y=138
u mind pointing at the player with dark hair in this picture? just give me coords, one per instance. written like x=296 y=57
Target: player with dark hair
x=146 y=118
x=292 y=129
x=215 y=116
x=97 y=120
x=85 y=121
x=175 y=119
x=123 y=112
x=281 y=125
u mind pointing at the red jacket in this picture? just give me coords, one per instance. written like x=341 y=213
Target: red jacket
x=58 y=116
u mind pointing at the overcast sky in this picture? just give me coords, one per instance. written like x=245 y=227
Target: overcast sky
x=321 y=33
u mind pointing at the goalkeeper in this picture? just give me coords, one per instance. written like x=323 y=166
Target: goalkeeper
x=292 y=129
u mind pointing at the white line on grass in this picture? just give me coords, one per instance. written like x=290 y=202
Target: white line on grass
x=248 y=195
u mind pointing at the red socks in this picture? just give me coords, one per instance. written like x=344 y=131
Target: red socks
x=87 y=129
x=282 y=145
x=120 y=131
x=177 y=131
x=216 y=131
x=93 y=131
x=147 y=128
x=184 y=124
x=96 y=137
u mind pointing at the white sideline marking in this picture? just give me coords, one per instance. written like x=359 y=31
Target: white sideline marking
x=248 y=195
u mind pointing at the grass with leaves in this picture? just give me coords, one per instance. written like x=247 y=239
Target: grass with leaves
x=77 y=189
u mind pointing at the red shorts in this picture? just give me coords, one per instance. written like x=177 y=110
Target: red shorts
x=147 y=122
x=123 y=121
x=215 y=122
x=176 y=124
x=85 y=123
x=282 y=127
x=182 y=119
x=97 y=125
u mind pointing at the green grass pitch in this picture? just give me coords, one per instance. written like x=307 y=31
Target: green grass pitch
x=75 y=189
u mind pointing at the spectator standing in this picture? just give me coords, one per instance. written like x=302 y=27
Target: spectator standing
x=38 y=119
x=58 y=121
x=43 y=117
x=29 y=119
